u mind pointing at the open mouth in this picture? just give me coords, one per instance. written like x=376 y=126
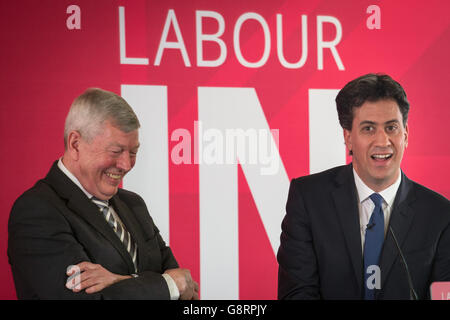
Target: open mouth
x=382 y=157
x=114 y=176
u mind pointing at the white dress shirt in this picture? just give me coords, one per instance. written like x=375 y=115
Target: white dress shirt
x=366 y=205
x=173 y=289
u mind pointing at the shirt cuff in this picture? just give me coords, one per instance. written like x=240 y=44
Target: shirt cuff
x=173 y=289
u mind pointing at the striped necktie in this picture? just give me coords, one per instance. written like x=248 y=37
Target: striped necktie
x=373 y=245
x=119 y=229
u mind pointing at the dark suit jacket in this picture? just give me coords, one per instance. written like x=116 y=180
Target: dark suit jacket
x=320 y=256
x=54 y=225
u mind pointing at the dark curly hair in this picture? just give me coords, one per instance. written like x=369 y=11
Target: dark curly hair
x=370 y=87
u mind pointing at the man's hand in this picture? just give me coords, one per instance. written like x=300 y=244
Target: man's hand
x=188 y=288
x=91 y=278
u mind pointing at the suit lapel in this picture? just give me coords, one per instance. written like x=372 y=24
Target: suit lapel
x=79 y=203
x=400 y=221
x=345 y=200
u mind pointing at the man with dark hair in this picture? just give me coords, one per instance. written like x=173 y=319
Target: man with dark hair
x=345 y=227
x=75 y=234
x=370 y=87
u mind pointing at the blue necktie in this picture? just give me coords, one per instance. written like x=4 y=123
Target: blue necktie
x=372 y=245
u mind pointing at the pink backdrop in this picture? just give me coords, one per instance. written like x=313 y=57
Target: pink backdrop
x=45 y=65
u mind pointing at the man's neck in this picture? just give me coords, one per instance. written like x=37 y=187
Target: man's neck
x=387 y=193
x=64 y=166
x=378 y=185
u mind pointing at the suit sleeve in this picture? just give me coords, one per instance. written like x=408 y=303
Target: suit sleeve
x=40 y=248
x=297 y=275
x=42 y=245
x=441 y=265
x=156 y=287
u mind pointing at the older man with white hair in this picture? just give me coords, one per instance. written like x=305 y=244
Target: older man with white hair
x=75 y=234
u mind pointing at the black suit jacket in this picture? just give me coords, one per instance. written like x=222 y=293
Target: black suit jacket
x=320 y=256
x=54 y=225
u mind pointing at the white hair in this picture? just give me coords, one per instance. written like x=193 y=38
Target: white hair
x=95 y=106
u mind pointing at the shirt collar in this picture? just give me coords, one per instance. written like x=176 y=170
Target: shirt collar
x=388 y=194
x=72 y=177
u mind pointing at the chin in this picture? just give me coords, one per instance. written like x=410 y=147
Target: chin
x=109 y=193
x=385 y=178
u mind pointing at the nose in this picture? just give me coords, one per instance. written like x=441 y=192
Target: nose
x=125 y=162
x=382 y=139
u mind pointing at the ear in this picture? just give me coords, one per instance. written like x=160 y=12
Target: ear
x=348 y=139
x=406 y=135
x=73 y=145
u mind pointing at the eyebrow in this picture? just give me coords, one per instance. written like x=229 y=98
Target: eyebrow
x=114 y=144
x=373 y=122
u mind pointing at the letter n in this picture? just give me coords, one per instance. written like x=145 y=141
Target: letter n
x=222 y=109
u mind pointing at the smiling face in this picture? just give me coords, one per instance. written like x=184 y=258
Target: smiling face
x=377 y=141
x=102 y=162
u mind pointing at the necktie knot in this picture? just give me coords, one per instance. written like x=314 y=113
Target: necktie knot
x=377 y=199
x=100 y=203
